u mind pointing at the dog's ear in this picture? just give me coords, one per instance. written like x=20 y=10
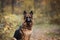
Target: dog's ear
x=24 y=13
x=31 y=12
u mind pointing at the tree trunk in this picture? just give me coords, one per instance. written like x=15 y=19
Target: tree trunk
x=2 y=6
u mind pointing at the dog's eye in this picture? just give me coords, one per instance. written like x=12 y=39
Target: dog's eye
x=29 y=17
x=26 y=17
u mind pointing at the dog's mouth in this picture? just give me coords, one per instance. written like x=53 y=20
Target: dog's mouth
x=28 y=20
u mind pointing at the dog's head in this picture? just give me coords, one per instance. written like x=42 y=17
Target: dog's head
x=28 y=17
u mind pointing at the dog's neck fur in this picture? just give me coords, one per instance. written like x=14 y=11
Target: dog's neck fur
x=26 y=26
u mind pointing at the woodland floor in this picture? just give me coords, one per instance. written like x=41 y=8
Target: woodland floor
x=47 y=32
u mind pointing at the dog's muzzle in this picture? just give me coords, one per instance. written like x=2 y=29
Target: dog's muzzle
x=28 y=20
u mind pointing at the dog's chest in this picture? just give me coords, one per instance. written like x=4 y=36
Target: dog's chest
x=27 y=32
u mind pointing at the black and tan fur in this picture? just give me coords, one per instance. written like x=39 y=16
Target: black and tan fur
x=24 y=32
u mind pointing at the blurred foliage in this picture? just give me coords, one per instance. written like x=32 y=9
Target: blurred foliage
x=46 y=12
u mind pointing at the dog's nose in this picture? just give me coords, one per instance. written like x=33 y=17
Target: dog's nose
x=28 y=19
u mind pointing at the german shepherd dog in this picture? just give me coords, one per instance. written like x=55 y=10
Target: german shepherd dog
x=25 y=30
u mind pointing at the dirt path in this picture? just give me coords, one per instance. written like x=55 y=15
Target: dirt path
x=40 y=31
